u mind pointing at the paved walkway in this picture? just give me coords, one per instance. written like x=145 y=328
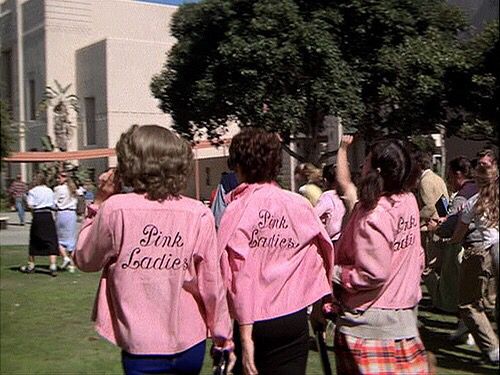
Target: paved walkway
x=15 y=234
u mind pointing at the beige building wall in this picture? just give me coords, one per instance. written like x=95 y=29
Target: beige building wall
x=128 y=78
x=107 y=50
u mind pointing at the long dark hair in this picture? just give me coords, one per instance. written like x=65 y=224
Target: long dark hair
x=392 y=171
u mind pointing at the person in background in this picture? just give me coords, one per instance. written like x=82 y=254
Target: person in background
x=89 y=194
x=227 y=183
x=277 y=260
x=378 y=264
x=442 y=261
x=464 y=187
x=65 y=200
x=161 y=288
x=477 y=267
x=308 y=177
x=43 y=234
x=330 y=208
x=17 y=191
x=487 y=158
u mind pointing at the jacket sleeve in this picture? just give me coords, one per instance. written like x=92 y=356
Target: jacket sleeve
x=314 y=229
x=447 y=228
x=210 y=282
x=428 y=196
x=373 y=254
x=95 y=247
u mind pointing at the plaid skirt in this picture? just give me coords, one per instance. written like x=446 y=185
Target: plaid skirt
x=355 y=355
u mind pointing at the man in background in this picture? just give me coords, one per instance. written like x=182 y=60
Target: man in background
x=17 y=190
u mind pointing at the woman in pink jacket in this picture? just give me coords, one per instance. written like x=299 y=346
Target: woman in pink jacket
x=378 y=264
x=161 y=288
x=278 y=260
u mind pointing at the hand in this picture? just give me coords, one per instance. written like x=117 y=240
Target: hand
x=433 y=224
x=109 y=184
x=345 y=141
x=247 y=359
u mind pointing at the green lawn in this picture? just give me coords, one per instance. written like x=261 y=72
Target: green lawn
x=45 y=327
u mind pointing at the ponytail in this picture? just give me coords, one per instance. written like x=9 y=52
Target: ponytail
x=391 y=171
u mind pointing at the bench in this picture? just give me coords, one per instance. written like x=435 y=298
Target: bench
x=4 y=220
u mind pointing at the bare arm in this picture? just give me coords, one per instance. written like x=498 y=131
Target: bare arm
x=248 y=352
x=344 y=180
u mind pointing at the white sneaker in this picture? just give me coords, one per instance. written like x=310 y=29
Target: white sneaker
x=470 y=340
x=65 y=263
x=493 y=357
x=71 y=269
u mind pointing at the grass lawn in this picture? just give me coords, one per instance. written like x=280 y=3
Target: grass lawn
x=45 y=327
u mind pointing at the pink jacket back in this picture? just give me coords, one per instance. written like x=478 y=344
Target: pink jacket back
x=278 y=257
x=331 y=210
x=379 y=256
x=161 y=285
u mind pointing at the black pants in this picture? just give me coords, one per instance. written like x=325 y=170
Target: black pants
x=281 y=345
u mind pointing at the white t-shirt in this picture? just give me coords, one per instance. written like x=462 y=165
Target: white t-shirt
x=63 y=199
x=489 y=234
x=40 y=197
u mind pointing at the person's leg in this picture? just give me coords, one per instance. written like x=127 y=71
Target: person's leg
x=53 y=265
x=282 y=344
x=479 y=325
x=30 y=267
x=67 y=261
x=475 y=273
x=188 y=362
x=20 y=210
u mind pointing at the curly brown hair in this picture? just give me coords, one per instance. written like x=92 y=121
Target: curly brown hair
x=487 y=202
x=257 y=153
x=153 y=160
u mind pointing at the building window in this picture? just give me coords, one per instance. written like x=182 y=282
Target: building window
x=32 y=99
x=90 y=121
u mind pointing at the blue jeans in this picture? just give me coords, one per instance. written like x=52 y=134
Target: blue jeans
x=185 y=363
x=20 y=209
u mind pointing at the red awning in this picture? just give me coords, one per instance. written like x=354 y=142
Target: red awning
x=41 y=156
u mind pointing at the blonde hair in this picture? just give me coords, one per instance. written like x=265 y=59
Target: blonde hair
x=153 y=160
x=71 y=186
x=310 y=173
x=487 y=202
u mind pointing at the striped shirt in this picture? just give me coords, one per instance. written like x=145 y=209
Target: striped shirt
x=17 y=189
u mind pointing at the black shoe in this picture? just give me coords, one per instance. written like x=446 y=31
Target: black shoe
x=53 y=273
x=26 y=269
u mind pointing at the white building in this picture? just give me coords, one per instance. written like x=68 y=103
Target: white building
x=108 y=50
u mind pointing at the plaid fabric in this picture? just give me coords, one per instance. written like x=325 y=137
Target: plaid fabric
x=355 y=355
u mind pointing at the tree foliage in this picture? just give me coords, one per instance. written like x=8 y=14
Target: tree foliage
x=7 y=136
x=473 y=88
x=286 y=64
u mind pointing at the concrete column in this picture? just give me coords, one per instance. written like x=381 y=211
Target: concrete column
x=20 y=83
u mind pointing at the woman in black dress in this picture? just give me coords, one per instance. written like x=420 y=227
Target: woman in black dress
x=43 y=235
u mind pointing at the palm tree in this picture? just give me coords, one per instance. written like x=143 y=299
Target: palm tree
x=61 y=102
